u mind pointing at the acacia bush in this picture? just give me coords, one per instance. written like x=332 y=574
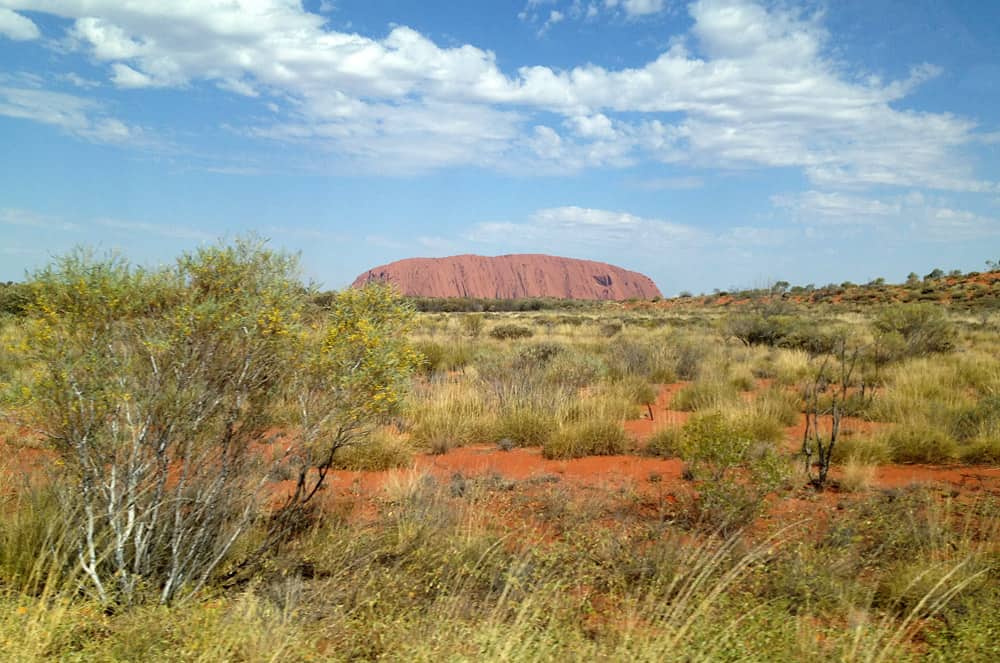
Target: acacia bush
x=14 y=298
x=733 y=470
x=923 y=328
x=152 y=387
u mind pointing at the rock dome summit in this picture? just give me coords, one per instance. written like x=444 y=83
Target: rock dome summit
x=512 y=277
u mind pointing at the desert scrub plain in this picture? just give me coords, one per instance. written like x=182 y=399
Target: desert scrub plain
x=212 y=462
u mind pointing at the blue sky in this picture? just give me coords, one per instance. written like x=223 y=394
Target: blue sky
x=708 y=144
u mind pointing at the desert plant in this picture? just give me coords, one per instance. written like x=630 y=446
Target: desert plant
x=757 y=328
x=666 y=443
x=609 y=329
x=382 y=451
x=508 y=332
x=924 y=328
x=148 y=375
x=815 y=441
x=915 y=443
x=734 y=472
x=525 y=426
x=706 y=393
x=586 y=438
x=153 y=385
x=472 y=324
x=857 y=476
x=862 y=449
x=573 y=370
x=14 y=298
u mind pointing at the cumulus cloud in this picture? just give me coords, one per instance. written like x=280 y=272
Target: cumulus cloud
x=749 y=86
x=17 y=27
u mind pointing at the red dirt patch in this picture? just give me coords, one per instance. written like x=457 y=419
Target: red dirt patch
x=663 y=416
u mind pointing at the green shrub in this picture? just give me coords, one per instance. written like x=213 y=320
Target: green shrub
x=979 y=420
x=759 y=426
x=535 y=356
x=742 y=378
x=382 y=451
x=524 y=426
x=472 y=324
x=14 y=298
x=637 y=390
x=982 y=450
x=924 y=328
x=704 y=394
x=587 y=438
x=689 y=355
x=432 y=354
x=868 y=450
x=757 y=328
x=609 y=329
x=914 y=443
x=573 y=370
x=813 y=337
x=666 y=443
x=734 y=472
x=629 y=357
x=511 y=332
x=782 y=405
x=32 y=539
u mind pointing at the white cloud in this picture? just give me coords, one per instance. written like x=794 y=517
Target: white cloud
x=21 y=217
x=558 y=226
x=742 y=237
x=913 y=214
x=836 y=208
x=633 y=8
x=669 y=183
x=749 y=86
x=947 y=224
x=17 y=27
x=125 y=76
x=78 y=116
x=79 y=81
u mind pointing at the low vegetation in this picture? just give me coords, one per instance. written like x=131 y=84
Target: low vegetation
x=209 y=461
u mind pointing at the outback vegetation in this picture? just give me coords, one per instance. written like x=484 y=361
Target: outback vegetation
x=213 y=461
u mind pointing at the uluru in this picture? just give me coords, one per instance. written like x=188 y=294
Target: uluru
x=511 y=277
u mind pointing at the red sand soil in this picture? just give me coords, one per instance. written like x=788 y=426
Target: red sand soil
x=663 y=416
x=647 y=476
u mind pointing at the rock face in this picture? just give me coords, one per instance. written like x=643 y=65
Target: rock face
x=511 y=277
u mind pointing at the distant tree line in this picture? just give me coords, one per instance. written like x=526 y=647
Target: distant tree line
x=479 y=305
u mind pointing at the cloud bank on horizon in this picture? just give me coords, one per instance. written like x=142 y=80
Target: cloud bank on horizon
x=711 y=143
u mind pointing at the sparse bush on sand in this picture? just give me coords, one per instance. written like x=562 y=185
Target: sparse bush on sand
x=723 y=552
x=587 y=438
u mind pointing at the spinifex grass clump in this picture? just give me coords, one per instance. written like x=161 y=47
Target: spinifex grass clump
x=587 y=438
x=384 y=450
x=709 y=392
